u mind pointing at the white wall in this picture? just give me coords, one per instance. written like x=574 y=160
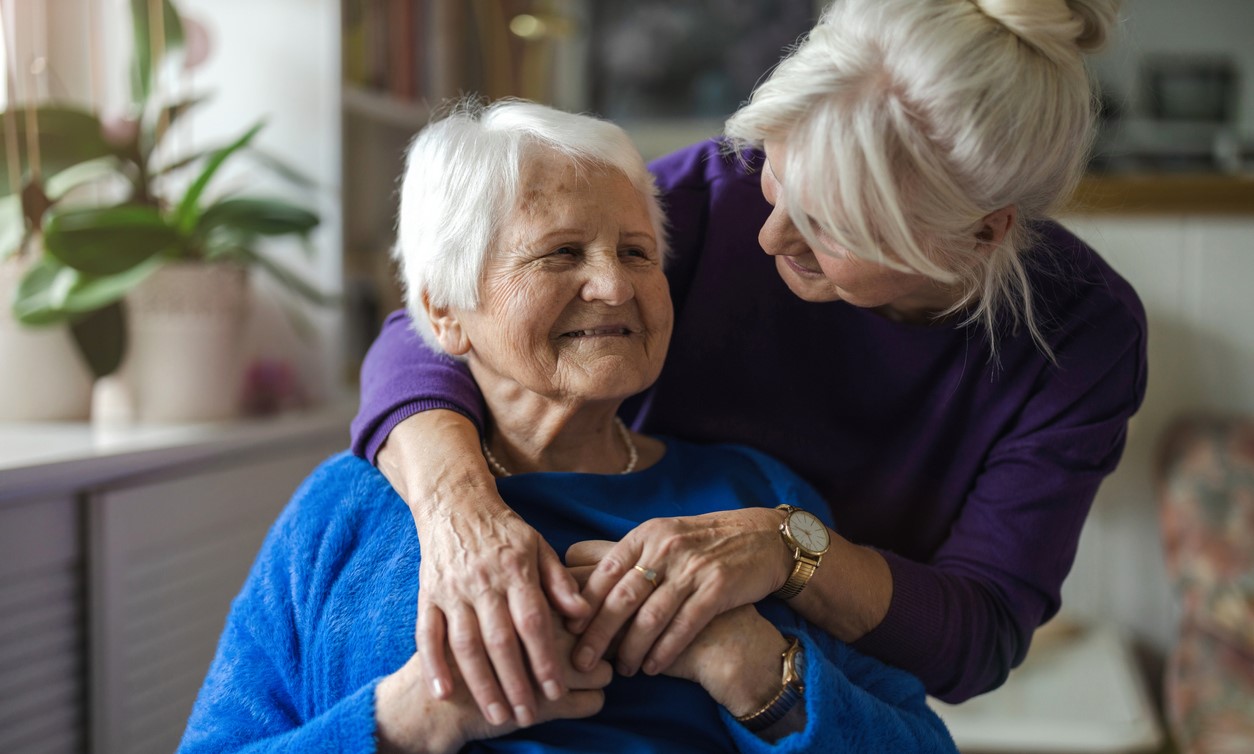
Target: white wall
x=279 y=60
x=273 y=59
x=1194 y=276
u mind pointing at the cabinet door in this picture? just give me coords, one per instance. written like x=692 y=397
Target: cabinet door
x=165 y=561
x=41 y=627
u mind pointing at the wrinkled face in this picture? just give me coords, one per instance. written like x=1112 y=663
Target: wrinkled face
x=573 y=304
x=834 y=274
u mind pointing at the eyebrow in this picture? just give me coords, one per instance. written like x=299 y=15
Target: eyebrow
x=634 y=234
x=569 y=232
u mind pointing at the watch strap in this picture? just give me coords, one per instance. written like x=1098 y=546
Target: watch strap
x=803 y=568
x=782 y=703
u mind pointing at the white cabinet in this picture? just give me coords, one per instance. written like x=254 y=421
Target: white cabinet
x=42 y=627
x=119 y=558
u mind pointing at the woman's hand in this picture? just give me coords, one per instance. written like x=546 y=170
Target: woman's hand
x=737 y=659
x=489 y=581
x=705 y=565
x=410 y=719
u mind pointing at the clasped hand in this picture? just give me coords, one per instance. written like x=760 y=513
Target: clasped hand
x=492 y=602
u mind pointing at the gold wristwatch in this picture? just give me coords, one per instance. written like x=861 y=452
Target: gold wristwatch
x=808 y=539
x=791 y=691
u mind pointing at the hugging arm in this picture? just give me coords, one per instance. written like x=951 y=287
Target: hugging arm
x=488 y=577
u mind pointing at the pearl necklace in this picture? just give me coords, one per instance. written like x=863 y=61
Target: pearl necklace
x=632 y=455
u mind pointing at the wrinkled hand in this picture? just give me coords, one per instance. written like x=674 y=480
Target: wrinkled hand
x=409 y=718
x=706 y=565
x=737 y=659
x=487 y=582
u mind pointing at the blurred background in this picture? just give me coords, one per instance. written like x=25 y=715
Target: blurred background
x=129 y=512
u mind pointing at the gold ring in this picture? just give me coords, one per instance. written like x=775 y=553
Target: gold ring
x=649 y=574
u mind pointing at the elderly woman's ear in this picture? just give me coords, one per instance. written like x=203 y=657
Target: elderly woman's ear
x=447 y=328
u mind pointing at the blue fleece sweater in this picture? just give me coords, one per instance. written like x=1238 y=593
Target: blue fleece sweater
x=328 y=611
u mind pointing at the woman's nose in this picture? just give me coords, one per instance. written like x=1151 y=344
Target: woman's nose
x=607 y=282
x=779 y=235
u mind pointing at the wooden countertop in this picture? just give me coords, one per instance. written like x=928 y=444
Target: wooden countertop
x=1164 y=194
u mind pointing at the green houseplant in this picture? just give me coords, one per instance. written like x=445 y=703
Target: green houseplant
x=86 y=253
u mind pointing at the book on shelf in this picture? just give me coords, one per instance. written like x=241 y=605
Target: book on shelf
x=428 y=50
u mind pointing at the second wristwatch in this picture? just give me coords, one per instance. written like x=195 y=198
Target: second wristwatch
x=808 y=539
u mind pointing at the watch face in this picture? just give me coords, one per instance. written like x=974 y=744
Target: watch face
x=809 y=532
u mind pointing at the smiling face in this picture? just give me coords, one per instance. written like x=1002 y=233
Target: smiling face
x=835 y=274
x=573 y=304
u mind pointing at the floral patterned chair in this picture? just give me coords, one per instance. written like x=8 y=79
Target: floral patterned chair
x=1206 y=493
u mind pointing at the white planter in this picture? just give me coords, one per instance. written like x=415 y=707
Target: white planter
x=184 y=359
x=42 y=375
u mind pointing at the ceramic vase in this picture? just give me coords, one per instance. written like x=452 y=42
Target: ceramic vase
x=42 y=375
x=184 y=360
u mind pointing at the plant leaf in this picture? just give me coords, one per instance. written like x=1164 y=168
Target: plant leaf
x=152 y=121
x=263 y=217
x=187 y=213
x=51 y=292
x=101 y=338
x=145 y=71
x=57 y=186
x=40 y=293
x=67 y=137
x=108 y=240
x=184 y=161
x=91 y=292
x=282 y=169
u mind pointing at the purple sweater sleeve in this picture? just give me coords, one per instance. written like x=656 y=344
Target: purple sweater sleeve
x=402 y=376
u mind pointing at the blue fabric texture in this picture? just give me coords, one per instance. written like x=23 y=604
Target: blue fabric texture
x=329 y=607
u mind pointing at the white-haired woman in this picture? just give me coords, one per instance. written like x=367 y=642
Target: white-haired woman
x=950 y=368
x=551 y=291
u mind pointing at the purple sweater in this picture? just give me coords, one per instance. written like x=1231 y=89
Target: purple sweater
x=972 y=479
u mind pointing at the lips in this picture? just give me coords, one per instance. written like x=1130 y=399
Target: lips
x=799 y=268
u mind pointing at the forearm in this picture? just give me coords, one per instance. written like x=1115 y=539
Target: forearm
x=955 y=634
x=433 y=461
x=849 y=594
x=409 y=720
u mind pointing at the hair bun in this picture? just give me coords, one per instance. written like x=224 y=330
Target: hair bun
x=1059 y=29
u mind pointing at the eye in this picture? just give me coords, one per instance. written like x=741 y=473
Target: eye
x=635 y=252
x=565 y=251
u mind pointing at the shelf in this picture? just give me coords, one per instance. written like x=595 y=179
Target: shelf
x=37 y=457
x=381 y=107
x=1164 y=194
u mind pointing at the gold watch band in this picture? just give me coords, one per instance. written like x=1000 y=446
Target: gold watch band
x=791 y=689
x=803 y=568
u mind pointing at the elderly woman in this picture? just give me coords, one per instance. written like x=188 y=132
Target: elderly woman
x=532 y=249
x=952 y=370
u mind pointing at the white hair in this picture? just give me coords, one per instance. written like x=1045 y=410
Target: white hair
x=462 y=175
x=908 y=121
